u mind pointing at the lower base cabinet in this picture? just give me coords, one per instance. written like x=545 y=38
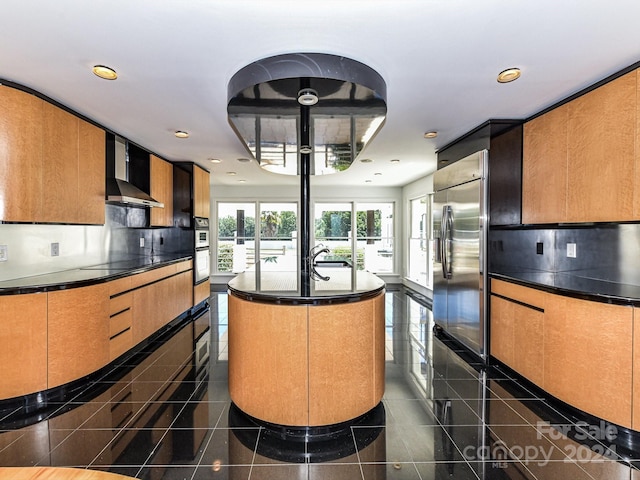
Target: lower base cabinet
x=78 y=333
x=23 y=336
x=52 y=338
x=579 y=351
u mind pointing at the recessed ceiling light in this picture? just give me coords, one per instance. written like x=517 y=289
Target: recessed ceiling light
x=105 y=72
x=231 y=173
x=395 y=160
x=377 y=173
x=215 y=160
x=367 y=181
x=243 y=160
x=306 y=149
x=431 y=134
x=366 y=160
x=181 y=134
x=509 y=75
x=241 y=181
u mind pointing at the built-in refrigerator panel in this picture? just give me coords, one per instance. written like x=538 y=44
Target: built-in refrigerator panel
x=459 y=239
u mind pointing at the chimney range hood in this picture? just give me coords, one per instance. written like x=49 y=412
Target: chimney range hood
x=119 y=190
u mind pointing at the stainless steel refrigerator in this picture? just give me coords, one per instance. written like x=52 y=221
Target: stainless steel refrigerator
x=460 y=237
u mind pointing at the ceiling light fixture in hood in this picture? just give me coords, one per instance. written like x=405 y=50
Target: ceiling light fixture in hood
x=119 y=190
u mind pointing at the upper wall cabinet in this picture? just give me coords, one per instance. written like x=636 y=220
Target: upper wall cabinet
x=579 y=160
x=54 y=168
x=161 y=186
x=200 y=192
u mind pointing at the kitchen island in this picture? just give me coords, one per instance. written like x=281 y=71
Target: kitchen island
x=306 y=360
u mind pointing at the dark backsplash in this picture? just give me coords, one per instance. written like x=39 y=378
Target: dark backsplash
x=604 y=252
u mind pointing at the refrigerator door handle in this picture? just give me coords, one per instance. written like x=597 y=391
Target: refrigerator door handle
x=443 y=242
x=447 y=225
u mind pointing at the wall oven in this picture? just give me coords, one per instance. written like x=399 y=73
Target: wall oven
x=202 y=255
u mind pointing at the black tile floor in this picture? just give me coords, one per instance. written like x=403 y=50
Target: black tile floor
x=442 y=417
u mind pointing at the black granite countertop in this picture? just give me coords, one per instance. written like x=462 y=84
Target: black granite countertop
x=89 y=275
x=589 y=284
x=344 y=285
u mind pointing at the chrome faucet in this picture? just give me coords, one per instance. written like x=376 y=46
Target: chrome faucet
x=313 y=254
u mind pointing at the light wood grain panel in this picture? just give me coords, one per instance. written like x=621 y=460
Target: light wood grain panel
x=502 y=330
x=119 y=303
x=636 y=189
x=528 y=340
x=91 y=174
x=635 y=421
x=201 y=192
x=21 y=153
x=201 y=292
x=184 y=266
x=268 y=365
x=153 y=275
x=161 y=182
x=601 y=152
x=120 y=322
x=56 y=473
x=60 y=166
x=120 y=285
x=588 y=356
x=78 y=342
x=23 y=336
x=544 y=168
x=120 y=344
x=342 y=361
x=378 y=316
x=530 y=296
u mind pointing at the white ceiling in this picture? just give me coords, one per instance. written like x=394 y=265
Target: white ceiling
x=439 y=58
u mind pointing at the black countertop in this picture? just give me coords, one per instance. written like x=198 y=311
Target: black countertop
x=589 y=284
x=344 y=285
x=89 y=275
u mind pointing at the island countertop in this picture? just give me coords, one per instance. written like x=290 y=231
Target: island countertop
x=283 y=287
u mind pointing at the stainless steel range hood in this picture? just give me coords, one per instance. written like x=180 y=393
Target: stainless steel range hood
x=119 y=190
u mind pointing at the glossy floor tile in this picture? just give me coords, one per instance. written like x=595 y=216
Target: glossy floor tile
x=166 y=414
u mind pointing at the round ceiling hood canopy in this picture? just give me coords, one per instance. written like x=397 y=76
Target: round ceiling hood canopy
x=346 y=102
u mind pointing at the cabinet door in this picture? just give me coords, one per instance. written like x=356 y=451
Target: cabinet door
x=60 y=166
x=544 y=168
x=588 y=356
x=21 y=154
x=23 y=336
x=601 y=153
x=636 y=370
x=201 y=192
x=91 y=174
x=161 y=173
x=78 y=332
x=517 y=336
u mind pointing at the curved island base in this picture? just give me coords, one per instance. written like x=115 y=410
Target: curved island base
x=306 y=364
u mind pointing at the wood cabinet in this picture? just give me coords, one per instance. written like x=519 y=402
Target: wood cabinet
x=588 y=356
x=201 y=202
x=579 y=351
x=21 y=152
x=78 y=332
x=635 y=420
x=54 y=168
x=517 y=328
x=544 y=168
x=23 y=336
x=306 y=365
x=579 y=160
x=161 y=189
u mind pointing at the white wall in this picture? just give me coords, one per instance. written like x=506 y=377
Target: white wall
x=422 y=186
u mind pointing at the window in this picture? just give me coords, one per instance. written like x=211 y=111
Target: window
x=372 y=247
x=418 y=257
x=243 y=238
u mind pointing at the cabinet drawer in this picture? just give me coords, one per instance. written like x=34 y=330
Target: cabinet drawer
x=153 y=275
x=120 y=303
x=119 y=323
x=120 y=344
x=184 y=266
x=526 y=295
